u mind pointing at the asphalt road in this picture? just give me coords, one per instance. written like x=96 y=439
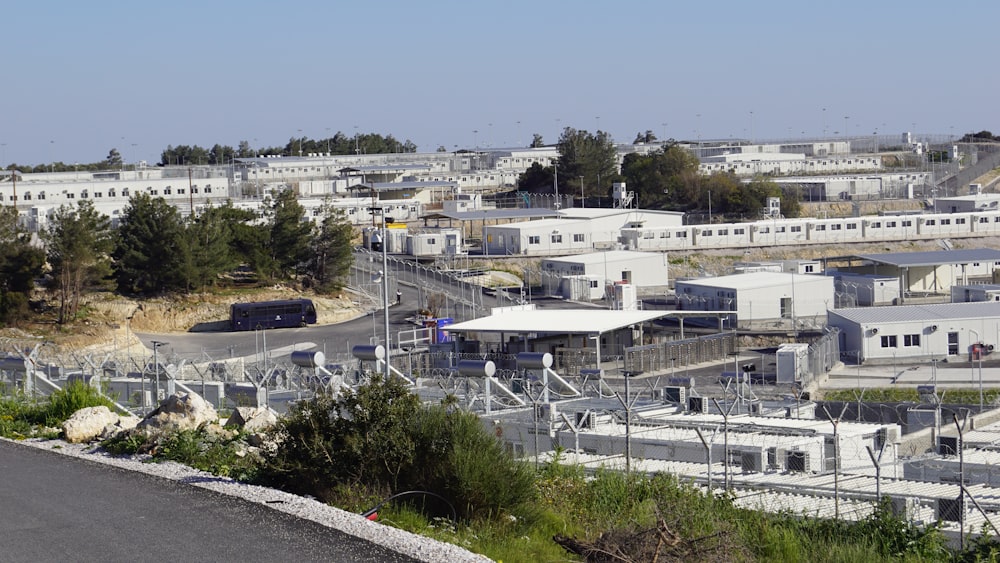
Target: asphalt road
x=55 y=508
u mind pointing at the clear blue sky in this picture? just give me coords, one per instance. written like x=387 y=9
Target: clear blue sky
x=83 y=77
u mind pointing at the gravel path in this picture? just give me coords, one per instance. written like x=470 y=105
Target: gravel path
x=418 y=547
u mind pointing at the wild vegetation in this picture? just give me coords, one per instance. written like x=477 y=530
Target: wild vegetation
x=991 y=396
x=358 y=449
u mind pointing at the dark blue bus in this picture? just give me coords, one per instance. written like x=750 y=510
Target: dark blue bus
x=272 y=314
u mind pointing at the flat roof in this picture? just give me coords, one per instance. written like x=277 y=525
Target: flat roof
x=753 y=280
x=601 y=257
x=389 y=186
x=480 y=214
x=933 y=257
x=562 y=321
x=917 y=313
x=596 y=212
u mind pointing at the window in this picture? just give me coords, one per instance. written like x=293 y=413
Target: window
x=851 y=226
x=945 y=221
x=166 y=191
x=154 y=192
x=779 y=230
x=907 y=223
x=911 y=340
x=578 y=237
x=180 y=191
x=665 y=234
x=931 y=222
x=836 y=227
x=808 y=269
x=739 y=231
x=820 y=227
x=208 y=189
x=194 y=190
x=682 y=234
x=960 y=221
x=556 y=239
x=98 y=194
x=889 y=341
x=27 y=196
x=723 y=232
x=70 y=196
x=877 y=225
x=796 y=228
x=706 y=233
x=124 y=192
x=534 y=239
x=647 y=235
x=41 y=195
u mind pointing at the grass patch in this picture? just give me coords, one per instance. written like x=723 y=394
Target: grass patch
x=910 y=395
x=24 y=417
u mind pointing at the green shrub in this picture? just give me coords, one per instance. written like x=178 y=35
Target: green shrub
x=74 y=396
x=381 y=440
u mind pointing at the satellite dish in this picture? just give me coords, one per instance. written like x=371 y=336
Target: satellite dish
x=945 y=244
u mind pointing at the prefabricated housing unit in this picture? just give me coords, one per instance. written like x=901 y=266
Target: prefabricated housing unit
x=913 y=332
x=760 y=299
x=643 y=270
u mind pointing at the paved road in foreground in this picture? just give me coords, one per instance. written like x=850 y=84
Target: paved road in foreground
x=56 y=508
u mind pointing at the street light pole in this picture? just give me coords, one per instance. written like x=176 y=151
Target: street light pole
x=156 y=366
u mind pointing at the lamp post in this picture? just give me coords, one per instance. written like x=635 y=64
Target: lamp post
x=977 y=354
x=156 y=365
x=385 y=284
x=582 y=200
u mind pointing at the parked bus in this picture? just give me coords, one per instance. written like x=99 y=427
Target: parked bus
x=271 y=314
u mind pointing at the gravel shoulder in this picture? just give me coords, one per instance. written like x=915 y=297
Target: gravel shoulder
x=400 y=541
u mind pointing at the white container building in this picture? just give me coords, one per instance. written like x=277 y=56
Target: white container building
x=918 y=332
x=761 y=299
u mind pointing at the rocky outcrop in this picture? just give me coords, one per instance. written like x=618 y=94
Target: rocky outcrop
x=181 y=411
x=124 y=424
x=88 y=423
x=252 y=419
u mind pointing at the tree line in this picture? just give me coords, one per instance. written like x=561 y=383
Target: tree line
x=666 y=178
x=154 y=250
x=218 y=154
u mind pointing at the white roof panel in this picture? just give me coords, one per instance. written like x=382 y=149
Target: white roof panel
x=754 y=280
x=920 y=313
x=564 y=321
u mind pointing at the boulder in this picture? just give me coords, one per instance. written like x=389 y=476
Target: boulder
x=180 y=411
x=87 y=424
x=124 y=424
x=252 y=419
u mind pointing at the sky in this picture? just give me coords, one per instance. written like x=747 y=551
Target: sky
x=82 y=78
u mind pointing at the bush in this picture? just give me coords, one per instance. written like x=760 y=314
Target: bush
x=381 y=440
x=75 y=396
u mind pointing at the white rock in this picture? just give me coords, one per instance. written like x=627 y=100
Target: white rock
x=123 y=424
x=181 y=411
x=87 y=424
x=252 y=419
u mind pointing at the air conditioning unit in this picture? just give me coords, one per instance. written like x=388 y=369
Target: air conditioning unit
x=947 y=445
x=796 y=461
x=697 y=404
x=674 y=395
x=905 y=507
x=585 y=419
x=950 y=509
x=752 y=462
